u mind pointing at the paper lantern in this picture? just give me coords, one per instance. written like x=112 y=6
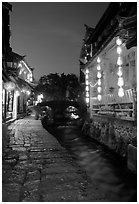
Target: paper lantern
x=9 y=86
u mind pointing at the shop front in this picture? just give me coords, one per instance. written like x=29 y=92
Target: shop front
x=8 y=100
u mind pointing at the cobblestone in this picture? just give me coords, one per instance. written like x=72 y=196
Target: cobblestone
x=36 y=168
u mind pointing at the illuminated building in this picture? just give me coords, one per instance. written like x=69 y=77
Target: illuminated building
x=112 y=67
x=14 y=99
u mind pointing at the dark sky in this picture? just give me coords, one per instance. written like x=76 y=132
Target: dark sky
x=50 y=33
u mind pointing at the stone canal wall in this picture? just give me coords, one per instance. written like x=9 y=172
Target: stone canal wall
x=119 y=135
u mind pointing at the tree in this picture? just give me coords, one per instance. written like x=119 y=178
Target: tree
x=55 y=86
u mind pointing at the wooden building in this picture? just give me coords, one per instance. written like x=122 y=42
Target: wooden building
x=17 y=76
x=108 y=60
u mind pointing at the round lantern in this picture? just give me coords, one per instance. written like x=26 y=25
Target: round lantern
x=9 y=86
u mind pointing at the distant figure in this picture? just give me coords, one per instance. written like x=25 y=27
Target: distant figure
x=37 y=111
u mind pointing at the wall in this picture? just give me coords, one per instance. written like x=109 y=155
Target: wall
x=115 y=133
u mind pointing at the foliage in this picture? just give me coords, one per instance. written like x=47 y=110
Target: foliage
x=59 y=87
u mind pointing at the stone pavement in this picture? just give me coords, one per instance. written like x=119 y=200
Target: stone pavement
x=36 y=168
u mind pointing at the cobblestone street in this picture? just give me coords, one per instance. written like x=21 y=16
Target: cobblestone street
x=36 y=168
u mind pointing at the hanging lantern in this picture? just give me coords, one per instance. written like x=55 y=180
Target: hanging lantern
x=87 y=82
x=121 y=92
x=99 y=89
x=99 y=75
x=98 y=60
x=119 y=50
x=87 y=94
x=99 y=82
x=87 y=71
x=86 y=76
x=99 y=97
x=119 y=61
x=120 y=73
x=98 y=67
x=9 y=86
x=120 y=81
x=87 y=100
x=87 y=88
x=119 y=41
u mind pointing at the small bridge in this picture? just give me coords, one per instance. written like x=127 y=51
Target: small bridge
x=62 y=105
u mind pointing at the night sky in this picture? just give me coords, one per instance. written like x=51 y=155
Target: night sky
x=50 y=34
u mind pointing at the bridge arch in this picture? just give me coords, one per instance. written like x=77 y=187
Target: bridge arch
x=61 y=106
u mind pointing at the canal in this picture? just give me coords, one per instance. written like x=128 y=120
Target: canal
x=102 y=166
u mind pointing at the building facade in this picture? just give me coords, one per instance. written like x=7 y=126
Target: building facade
x=108 y=61
x=17 y=76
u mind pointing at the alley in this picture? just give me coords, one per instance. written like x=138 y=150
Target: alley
x=36 y=168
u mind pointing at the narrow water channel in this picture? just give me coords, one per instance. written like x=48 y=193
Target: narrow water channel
x=101 y=165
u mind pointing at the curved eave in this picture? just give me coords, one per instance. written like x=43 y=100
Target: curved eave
x=109 y=14
x=102 y=46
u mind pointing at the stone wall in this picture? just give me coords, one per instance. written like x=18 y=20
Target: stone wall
x=115 y=133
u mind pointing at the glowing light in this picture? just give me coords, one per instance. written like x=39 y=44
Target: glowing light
x=87 y=71
x=87 y=100
x=19 y=65
x=23 y=90
x=119 y=41
x=17 y=93
x=119 y=50
x=87 y=88
x=120 y=81
x=9 y=86
x=121 y=92
x=99 y=97
x=99 y=89
x=87 y=94
x=86 y=76
x=98 y=60
x=31 y=79
x=99 y=75
x=74 y=116
x=39 y=98
x=87 y=82
x=120 y=73
x=99 y=82
x=28 y=92
x=119 y=61
x=98 y=67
